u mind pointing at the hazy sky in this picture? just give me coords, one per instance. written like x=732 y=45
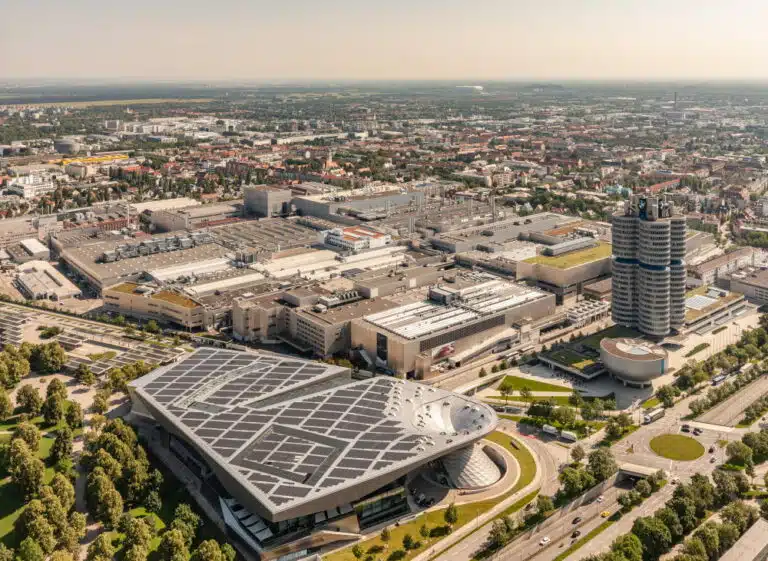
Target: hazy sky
x=384 y=39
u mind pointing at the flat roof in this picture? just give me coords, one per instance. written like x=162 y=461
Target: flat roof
x=241 y=411
x=633 y=349
x=574 y=258
x=716 y=262
x=472 y=303
x=348 y=312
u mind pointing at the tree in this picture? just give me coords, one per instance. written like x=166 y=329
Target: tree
x=407 y=542
x=29 y=433
x=669 y=518
x=56 y=387
x=628 y=546
x=85 y=375
x=152 y=327
x=739 y=453
x=564 y=415
x=710 y=537
x=385 y=537
x=29 y=400
x=451 y=515
x=30 y=550
x=153 y=502
x=101 y=549
x=577 y=453
x=525 y=393
x=47 y=358
x=210 y=550
x=27 y=470
x=727 y=534
x=601 y=464
x=423 y=532
x=644 y=488
x=740 y=514
x=576 y=399
x=506 y=390
x=62 y=445
x=544 y=505
x=74 y=416
x=498 y=537
x=482 y=373
x=228 y=551
x=764 y=508
x=653 y=535
x=695 y=548
x=666 y=394
x=100 y=405
x=64 y=490
x=6 y=407
x=613 y=430
x=53 y=410
x=173 y=547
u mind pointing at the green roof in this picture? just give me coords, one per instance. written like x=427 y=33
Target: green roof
x=573 y=258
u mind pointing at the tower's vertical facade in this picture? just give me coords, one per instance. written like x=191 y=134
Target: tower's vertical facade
x=649 y=266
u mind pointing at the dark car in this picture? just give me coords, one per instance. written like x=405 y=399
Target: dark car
x=577 y=520
x=576 y=533
x=711 y=449
x=686 y=428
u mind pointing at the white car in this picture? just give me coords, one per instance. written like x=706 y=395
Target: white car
x=545 y=540
x=600 y=498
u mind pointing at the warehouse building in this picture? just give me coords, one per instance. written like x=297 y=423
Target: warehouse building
x=30 y=249
x=459 y=319
x=39 y=280
x=297 y=457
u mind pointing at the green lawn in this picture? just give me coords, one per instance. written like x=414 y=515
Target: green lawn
x=466 y=513
x=616 y=331
x=558 y=399
x=10 y=424
x=517 y=383
x=677 y=447
x=12 y=502
x=651 y=403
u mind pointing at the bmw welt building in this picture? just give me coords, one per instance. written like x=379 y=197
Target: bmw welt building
x=296 y=455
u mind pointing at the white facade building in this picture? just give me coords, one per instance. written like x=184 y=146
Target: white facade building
x=355 y=238
x=31 y=186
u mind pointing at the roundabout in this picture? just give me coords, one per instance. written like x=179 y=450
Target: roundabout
x=677 y=447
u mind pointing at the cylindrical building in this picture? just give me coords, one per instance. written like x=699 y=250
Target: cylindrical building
x=649 y=266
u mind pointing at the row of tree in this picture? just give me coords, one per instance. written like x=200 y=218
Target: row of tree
x=718 y=394
x=653 y=536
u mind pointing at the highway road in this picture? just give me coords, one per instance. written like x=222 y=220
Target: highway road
x=729 y=412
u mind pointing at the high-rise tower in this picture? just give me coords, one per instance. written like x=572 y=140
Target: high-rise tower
x=648 y=266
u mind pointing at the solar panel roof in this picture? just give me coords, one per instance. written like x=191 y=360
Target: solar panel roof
x=293 y=431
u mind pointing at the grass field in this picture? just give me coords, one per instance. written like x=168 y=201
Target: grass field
x=109 y=102
x=573 y=258
x=651 y=403
x=517 y=383
x=466 y=513
x=677 y=447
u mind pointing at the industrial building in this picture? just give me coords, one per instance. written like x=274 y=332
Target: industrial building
x=30 y=249
x=359 y=203
x=194 y=217
x=296 y=456
x=39 y=280
x=708 y=307
x=266 y=201
x=572 y=267
x=354 y=238
x=150 y=302
x=460 y=320
x=649 y=266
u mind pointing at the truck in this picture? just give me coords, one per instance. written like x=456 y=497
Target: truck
x=654 y=414
x=549 y=429
x=569 y=436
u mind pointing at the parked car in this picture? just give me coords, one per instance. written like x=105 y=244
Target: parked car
x=685 y=428
x=711 y=449
x=712 y=460
x=576 y=534
x=577 y=520
x=605 y=513
x=545 y=540
x=601 y=498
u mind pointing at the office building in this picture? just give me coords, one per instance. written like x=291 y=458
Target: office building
x=649 y=266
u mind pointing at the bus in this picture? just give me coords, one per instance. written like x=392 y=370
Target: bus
x=654 y=414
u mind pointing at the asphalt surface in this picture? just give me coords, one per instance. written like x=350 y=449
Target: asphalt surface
x=730 y=412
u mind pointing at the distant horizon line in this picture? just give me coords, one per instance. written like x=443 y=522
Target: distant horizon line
x=7 y=81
